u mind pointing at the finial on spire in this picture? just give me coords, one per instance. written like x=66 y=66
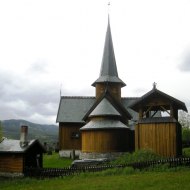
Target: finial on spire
x=60 y=90
x=108 y=7
x=154 y=85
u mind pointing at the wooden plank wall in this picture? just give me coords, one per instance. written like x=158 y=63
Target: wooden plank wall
x=105 y=141
x=66 y=142
x=160 y=137
x=11 y=163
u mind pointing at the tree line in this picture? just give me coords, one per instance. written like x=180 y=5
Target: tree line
x=184 y=120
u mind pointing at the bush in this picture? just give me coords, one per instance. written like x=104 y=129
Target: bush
x=137 y=156
x=186 y=152
x=186 y=136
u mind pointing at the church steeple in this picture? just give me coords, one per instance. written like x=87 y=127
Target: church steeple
x=108 y=72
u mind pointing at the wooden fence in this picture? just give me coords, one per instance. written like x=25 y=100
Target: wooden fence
x=57 y=172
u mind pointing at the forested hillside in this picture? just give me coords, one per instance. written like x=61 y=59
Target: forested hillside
x=45 y=133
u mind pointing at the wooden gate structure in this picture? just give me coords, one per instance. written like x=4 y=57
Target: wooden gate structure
x=160 y=134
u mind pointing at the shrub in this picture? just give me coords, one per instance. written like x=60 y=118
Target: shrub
x=137 y=156
x=186 y=152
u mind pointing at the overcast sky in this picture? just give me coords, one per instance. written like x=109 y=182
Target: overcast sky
x=48 y=45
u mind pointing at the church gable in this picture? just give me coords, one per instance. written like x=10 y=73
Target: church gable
x=104 y=108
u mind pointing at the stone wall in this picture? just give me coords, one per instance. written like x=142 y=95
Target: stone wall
x=109 y=155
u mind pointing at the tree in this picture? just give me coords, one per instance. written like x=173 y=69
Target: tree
x=184 y=120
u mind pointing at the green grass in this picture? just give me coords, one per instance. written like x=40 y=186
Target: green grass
x=54 y=161
x=157 y=178
x=136 y=180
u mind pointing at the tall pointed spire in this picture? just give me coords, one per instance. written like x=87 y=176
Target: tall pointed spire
x=108 y=72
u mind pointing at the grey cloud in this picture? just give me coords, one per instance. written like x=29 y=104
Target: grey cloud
x=38 y=67
x=23 y=97
x=140 y=91
x=20 y=99
x=185 y=62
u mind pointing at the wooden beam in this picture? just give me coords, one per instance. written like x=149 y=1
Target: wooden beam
x=165 y=110
x=147 y=110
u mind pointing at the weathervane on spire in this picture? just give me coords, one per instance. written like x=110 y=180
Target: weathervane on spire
x=60 y=90
x=108 y=7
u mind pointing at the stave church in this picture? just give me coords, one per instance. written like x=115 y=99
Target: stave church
x=108 y=125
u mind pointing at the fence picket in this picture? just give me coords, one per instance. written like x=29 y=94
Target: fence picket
x=56 y=172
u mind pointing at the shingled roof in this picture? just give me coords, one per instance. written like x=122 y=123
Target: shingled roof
x=109 y=114
x=104 y=108
x=108 y=72
x=13 y=146
x=114 y=103
x=72 y=109
x=104 y=124
x=155 y=93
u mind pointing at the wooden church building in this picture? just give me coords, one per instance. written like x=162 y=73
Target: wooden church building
x=108 y=124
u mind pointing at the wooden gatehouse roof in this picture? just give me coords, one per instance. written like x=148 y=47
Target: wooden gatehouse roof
x=153 y=96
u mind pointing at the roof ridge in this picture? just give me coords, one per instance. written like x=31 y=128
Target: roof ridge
x=79 y=97
x=89 y=97
x=130 y=97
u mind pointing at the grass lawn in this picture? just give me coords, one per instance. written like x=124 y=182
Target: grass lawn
x=138 y=180
x=54 y=161
x=127 y=178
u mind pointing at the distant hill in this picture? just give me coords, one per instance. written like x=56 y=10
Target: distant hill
x=45 y=133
